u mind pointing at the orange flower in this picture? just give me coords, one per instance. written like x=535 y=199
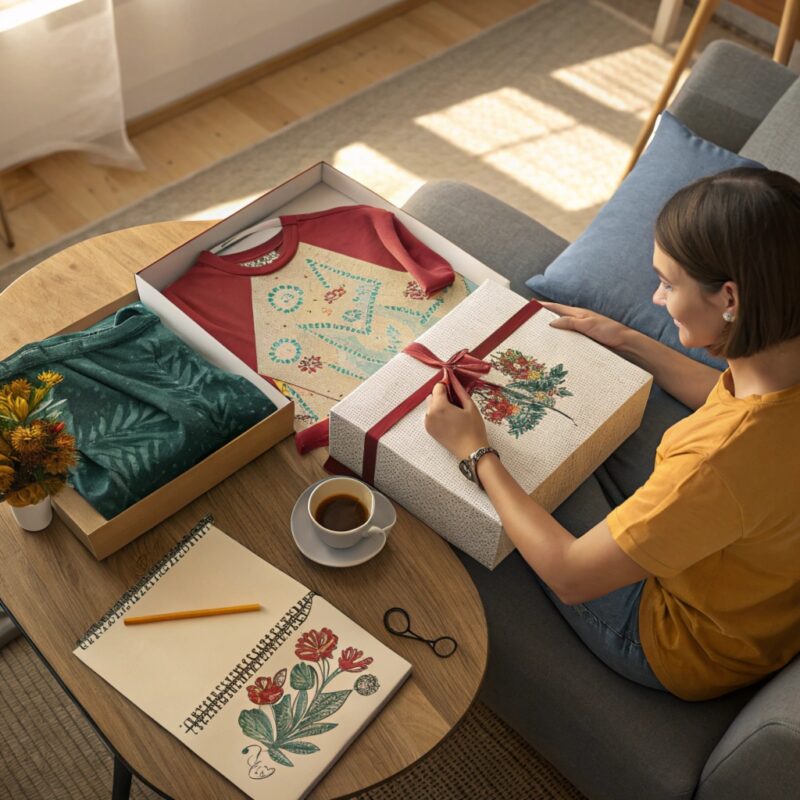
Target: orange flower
x=61 y=455
x=27 y=495
x=6 y=474
x=29 y=440
x=19 y=388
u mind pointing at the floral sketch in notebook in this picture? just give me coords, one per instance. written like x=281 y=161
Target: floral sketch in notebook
x=295 y=719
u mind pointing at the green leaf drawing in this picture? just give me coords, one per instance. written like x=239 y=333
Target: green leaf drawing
x=283 y=717
x=301 y=747
x=300 y=705
x=315 y=730
x=325 y=704
x=278 y=757
x=302 y=676
x=255 y=724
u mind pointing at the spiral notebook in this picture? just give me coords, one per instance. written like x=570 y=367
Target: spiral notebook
x=271 y=698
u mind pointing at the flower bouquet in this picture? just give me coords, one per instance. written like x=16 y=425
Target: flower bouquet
x=35 y=450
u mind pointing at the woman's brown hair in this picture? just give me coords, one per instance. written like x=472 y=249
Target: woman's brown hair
x=742 y=225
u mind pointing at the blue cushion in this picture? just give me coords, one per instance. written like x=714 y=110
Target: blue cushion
x=609 y=268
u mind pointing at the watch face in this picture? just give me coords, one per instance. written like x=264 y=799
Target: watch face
x=466 y=469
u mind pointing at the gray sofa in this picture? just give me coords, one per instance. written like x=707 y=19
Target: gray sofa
x=612 y=738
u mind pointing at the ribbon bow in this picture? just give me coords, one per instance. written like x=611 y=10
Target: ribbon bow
x=462 y=368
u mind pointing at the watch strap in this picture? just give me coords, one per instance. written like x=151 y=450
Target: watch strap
x=477 y=456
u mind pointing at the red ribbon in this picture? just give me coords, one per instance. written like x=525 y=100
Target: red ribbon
x=466 y=367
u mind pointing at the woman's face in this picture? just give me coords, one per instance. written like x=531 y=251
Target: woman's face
x=696 y=312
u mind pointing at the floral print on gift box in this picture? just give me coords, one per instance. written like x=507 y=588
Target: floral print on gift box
x=295 y=720
x=532 y=392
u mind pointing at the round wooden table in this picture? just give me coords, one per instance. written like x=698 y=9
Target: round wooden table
x=54 y=589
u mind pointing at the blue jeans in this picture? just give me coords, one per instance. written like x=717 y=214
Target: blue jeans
x=609 y=627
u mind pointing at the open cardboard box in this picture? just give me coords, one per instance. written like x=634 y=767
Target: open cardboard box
x=318 y=188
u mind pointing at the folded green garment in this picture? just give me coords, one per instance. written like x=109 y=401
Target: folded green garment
x=143 y=406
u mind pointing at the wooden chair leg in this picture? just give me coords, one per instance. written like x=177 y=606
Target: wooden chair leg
x=787 y=33
x=702 y=15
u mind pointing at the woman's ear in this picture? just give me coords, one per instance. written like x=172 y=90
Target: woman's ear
x=731 y=294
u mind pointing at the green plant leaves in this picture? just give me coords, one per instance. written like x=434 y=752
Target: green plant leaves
x=304 y=748
x=300 y=705
x=326 y=704
x=255 y=724
x=302 y=677
x=315 y=730
x=283 y=717
x=278 y=757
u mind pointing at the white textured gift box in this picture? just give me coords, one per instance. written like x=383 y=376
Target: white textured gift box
x=550 y=459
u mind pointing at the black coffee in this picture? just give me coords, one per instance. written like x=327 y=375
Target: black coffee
x=341 y=512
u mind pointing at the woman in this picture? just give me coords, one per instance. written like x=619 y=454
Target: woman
x=693 y=583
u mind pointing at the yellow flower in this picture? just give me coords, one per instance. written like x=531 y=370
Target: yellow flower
x=50 y=378
x=27 y=495
x=534 y=375
x=19 y=388
x=29 y=440
x=19 y=407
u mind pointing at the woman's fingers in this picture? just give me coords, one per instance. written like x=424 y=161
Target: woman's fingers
x=559 y=308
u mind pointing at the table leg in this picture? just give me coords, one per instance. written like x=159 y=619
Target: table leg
x=122 y=780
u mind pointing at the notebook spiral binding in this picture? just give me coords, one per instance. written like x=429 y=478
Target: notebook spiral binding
x=249 y=665
x=146 y=582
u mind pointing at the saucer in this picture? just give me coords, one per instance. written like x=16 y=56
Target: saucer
x=312 y=547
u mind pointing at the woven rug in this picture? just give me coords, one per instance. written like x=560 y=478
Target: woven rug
x=540 y=111
x=48 y=751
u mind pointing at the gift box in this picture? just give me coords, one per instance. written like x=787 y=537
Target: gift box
x=556 y=405
x=319 y=187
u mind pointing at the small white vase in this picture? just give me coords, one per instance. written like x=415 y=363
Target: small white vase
x=34 y=518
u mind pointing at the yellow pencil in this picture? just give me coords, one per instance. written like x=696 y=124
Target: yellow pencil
x=200 y=612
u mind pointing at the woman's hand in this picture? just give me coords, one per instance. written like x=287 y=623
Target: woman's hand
x=461 y=430
x=602 y=329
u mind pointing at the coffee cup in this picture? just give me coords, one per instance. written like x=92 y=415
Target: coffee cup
x=342 y=512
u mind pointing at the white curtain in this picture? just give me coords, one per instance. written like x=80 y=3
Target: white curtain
x=60 y=84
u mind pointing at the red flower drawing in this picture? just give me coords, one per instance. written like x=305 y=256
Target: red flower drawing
x=314 y=645
x=310 y=364
x=414 y=291
x=349 y=660
x=267 y=690
x=499 y=410
x=334 y=294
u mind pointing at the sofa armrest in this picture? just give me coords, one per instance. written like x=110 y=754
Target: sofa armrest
x=759 y=754
x=508 y=241
x=729 y=91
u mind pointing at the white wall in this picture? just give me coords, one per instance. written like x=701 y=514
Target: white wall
x=171 y=48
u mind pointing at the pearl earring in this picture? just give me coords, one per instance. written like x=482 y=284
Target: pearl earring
x=728 y=316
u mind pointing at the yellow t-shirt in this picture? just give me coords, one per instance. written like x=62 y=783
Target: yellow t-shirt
x=718 y=527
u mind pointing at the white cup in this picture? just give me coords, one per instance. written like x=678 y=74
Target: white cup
x=355 y=488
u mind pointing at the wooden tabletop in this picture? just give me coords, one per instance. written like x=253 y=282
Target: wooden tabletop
x=55 y=589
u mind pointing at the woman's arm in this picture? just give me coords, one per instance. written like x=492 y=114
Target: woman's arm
x=575 y=569
x=685 y=379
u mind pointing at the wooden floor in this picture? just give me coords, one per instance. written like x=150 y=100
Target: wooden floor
x=48 y=198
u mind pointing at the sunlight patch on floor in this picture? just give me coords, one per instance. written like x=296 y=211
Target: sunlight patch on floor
x=378 y=172
x=222 y=210
x=623 y=81
x=494 y=120
x=569 y=169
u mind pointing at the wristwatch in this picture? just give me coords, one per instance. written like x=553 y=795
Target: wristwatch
x=469 y=465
